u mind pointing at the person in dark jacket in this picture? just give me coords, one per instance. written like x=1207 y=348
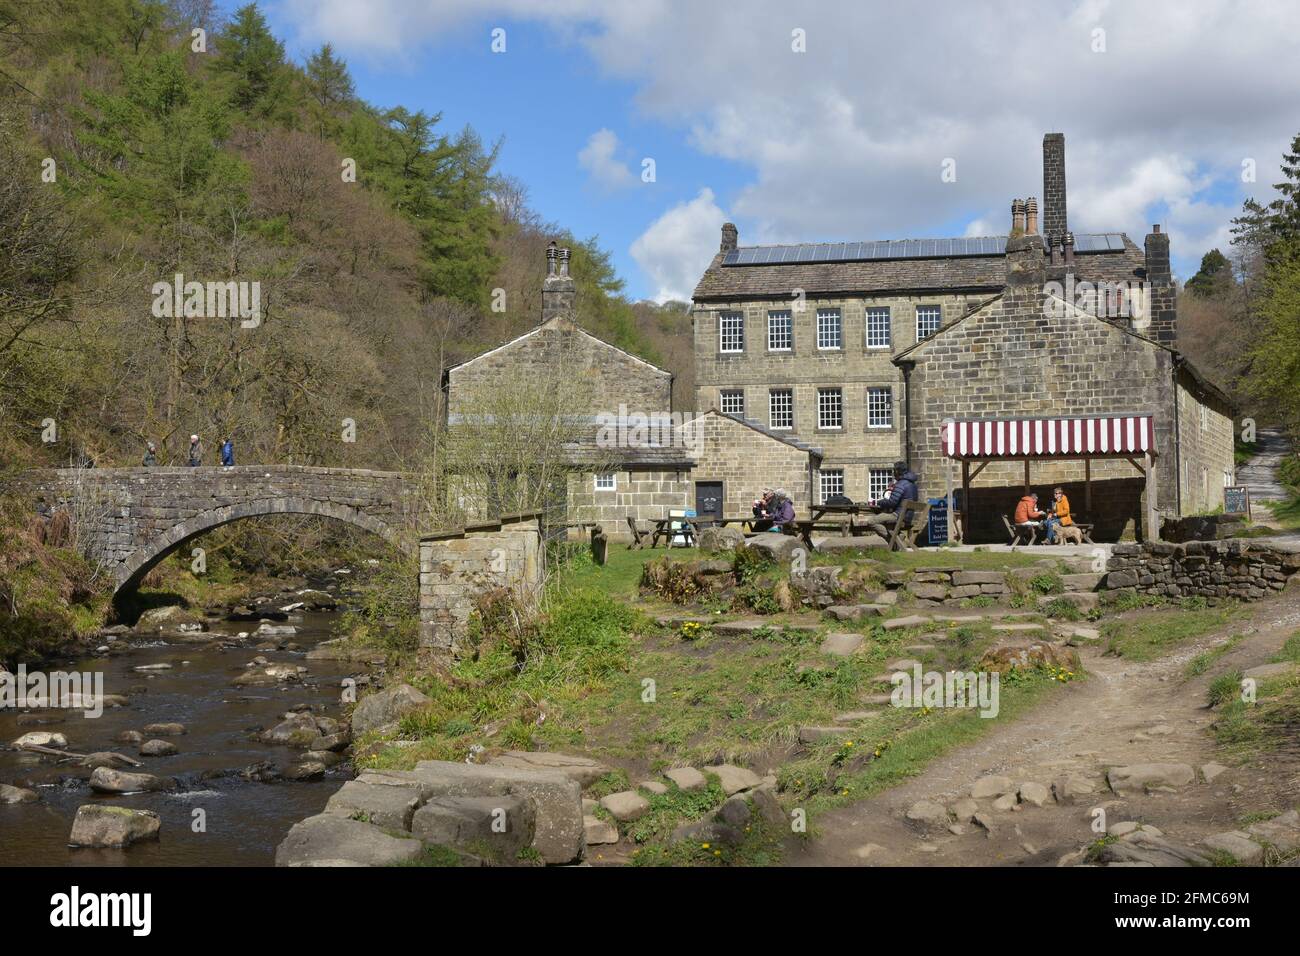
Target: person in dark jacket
x=227 y=452
x=904 y=490
x=150 y=459
x=781 y=509
x=196 y=452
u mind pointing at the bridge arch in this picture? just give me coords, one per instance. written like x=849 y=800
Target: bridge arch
x=141 y=561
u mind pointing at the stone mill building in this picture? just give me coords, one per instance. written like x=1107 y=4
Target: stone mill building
x=874 y=351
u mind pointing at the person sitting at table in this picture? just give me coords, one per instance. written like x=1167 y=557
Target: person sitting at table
x=773 y=510
x=903 y=489
x=1059 y=516
x=1027 y=513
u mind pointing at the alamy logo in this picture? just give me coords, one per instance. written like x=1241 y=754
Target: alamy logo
x=73 y=909
x=59 y=689
x=208 y=300
x=954 y=689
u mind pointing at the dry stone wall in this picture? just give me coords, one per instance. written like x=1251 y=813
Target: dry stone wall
x=1243 y=568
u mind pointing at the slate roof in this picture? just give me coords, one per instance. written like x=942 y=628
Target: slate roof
x=976 y=273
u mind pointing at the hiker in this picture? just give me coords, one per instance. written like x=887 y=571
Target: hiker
x=196 y=452
x=903 y=489
x=1059 y=516
x=227 y=453
x=150 y=455
x=1027 y=513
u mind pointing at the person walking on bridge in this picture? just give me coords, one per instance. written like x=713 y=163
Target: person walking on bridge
x=196 y=452
x=150 y=455
x=227 y=453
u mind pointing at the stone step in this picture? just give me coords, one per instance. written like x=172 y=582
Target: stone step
x=856 y=716
x=841 y=645
x=911 y=620
x=1019 y=627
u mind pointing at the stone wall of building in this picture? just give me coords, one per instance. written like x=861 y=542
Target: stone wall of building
x=854 y=368
x=642 y=493
x=746 y=461
x=457 y=566
x=1015 y=359
x=614 y=377
x=1246 y=569
x=1205 y=434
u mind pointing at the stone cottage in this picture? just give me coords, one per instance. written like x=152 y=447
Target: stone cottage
x=636 y=458
x=878 y=351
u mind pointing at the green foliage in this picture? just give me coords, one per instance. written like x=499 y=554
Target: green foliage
x=749 y=563
x=1047 y=583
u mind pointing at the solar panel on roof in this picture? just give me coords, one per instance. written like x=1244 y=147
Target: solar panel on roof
x=810 y=252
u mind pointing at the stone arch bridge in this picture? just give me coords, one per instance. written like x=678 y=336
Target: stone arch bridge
x=132 y=518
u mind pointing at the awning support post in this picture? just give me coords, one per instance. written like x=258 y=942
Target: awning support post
x=1026 y=476
x=1087 y=486
x=1151 y=530
x=965 y=500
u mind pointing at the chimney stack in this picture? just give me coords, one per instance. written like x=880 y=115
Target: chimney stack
x=730 y=236
x=558 y=292
x=1031 y=216
x=1161 y=297
x=1026 y=270
x=1054 y=220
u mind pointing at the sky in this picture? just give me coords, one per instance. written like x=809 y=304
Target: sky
x=649 y=123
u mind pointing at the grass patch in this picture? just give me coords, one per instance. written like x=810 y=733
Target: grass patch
x=1201 y=663
x=1155 y=634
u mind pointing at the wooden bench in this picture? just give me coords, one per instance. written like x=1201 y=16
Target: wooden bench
x=639 y=535
x=912 y=517
x=1018 y=531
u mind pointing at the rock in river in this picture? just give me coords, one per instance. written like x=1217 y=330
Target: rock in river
x=100 y=825
x=107 y=780
x=385 y=707
x=158 y=748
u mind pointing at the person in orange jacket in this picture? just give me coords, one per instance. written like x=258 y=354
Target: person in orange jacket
x=1060 y=514
x=1027 y=512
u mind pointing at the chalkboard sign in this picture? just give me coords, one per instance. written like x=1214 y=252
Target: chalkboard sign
x=1236 y=501
x=938 y=523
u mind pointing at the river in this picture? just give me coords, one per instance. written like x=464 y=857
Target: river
x=245 y=820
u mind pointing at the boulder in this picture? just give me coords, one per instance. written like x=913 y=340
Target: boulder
x=715 y=539
x=108 y=780
x=582 y=770
x=1034 y=793
x=304 y=771
x=40 y=738
x=386 y=707
x=734 y=779
x=299 y=730
x=855 y=612
x=331 y=840
x=558 y=833
x=9 y=795
x=1237 y=845
x=1282 y=832
x=158 y=618
x=735 y=811
x=991 y=786
x=1138 y=778
x=1027 y=654
x=165 y=730
x=927 y=813
x=497 y=827
x=771 y=546
x=626 y=805
x=100 y=825
x=384 y=806
x=687 y=779
x=599 y=832
x=841 y=645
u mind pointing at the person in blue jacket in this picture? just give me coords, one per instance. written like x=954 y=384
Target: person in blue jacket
x=227 y=453
x=904 y=490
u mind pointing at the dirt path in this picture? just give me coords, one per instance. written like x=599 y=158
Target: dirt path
x=1124 y=713
x=1259 y=475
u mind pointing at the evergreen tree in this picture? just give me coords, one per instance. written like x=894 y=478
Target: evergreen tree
x=251 y=60
x=1214 y=277
x=329 y=90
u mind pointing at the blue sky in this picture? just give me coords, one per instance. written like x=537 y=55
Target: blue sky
x=844 y=138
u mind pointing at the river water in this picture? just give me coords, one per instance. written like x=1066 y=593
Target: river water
x=245 y=820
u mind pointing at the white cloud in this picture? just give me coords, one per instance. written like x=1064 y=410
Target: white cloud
x=600 y=159
x=677 y=247
x=846 y=141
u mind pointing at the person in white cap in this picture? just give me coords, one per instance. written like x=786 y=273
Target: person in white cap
x=196 y=452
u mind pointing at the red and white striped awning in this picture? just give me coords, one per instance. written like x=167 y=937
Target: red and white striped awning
x=1016 y=438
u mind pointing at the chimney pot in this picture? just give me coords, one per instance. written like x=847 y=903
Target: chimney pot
x=1017 y=217
x=1067 y=242
x=564 y=263
x=1031 y=216
x=558 y=287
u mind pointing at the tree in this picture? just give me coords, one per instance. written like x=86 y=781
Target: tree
x=251 y=60
x=1214 y=277
x=329 y=89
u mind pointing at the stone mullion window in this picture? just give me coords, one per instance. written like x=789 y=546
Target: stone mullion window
x=780 y=409
x=879 y=331
x=830 y=409
x=780 y=331
x=831 y=482
x=731 y=333
x=928 y=320
x=731 y=401
x=879 y=404
x=878 y=480
x=830 y=330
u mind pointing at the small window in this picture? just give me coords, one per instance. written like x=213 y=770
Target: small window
x=928 y=320
x=829 y=329
x=780 y=404
x=780 y=332
x=878 y=482
x=878 y=331
x=607 y=482
x=731 y=332
x=832 y=483
x=732 y=402
x=830 y=408
x=880 y=408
